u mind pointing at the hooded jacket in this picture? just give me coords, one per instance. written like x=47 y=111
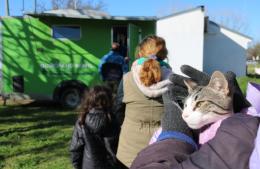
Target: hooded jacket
x=142 y=114
x=93 y=144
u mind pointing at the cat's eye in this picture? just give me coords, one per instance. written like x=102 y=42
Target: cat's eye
x=199 y=104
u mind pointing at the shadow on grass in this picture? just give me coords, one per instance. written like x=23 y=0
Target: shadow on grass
x=253 y=75
x=41 y=114
x=37 y=131
x=67 y=120
x=33 y=107
x=33 y=117
x=52 y=145
x=2 y=162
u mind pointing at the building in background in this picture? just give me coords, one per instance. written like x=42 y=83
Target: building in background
x=195 y=40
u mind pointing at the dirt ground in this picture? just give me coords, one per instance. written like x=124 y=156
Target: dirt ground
x=15 y=102
x=28 y=102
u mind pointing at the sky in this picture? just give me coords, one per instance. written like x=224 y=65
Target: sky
x=241 y=15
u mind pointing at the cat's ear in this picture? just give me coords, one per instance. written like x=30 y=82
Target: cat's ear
x=219 y=82
x=191 y=85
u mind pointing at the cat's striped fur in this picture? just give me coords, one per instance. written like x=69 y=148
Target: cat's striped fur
x=208 y=104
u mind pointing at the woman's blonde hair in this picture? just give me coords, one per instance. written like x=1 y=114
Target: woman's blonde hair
x=152 y=45
x=151 y=70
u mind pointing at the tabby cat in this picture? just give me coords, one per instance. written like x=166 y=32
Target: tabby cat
x=208 y=104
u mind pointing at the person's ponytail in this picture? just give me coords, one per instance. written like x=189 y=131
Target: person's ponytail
x=150 y=72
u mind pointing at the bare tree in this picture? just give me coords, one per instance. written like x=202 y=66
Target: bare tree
x=253 y=51
x=231 y=19
x=78 y=4
x=173 y=7
x=58 y=4
x=100 y=5
x=41 y=6
x=74 y=4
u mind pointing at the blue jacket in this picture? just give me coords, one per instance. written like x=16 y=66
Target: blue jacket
x=111 y=57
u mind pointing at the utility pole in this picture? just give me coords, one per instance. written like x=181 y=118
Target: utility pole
x=7 y=8
x=35 y=4
x=75 y=4
x=23 y=7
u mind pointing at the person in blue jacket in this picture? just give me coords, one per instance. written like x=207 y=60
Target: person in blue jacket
x=111 y=66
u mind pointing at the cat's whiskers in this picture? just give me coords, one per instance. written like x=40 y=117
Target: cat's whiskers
x=208 y=104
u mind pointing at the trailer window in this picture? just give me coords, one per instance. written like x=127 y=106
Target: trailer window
x=66 y=32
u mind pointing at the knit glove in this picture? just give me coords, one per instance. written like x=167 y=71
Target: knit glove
x=202 y=79
x=239 y=100
x=179 y=89
x=172 y=117
x=173 y=126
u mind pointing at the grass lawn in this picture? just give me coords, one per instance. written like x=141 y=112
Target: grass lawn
x=35 y=137
x=242 y=81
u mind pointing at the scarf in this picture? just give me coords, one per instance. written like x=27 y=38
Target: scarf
x=156 y=89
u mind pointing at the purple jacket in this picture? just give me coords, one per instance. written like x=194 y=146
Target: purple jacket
x=229 y=149
x=253 y=96
x=254 y=162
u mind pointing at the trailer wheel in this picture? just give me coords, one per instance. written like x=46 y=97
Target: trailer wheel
x=70 y=97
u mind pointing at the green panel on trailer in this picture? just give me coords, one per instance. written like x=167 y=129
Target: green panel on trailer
x=95 y=37
x=17 y=50
x=29 y=50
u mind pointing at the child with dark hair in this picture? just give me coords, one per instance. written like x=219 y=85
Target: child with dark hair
x=93 y=142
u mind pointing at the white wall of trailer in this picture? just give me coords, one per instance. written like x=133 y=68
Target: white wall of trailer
x=184 y=35
x=224 y=50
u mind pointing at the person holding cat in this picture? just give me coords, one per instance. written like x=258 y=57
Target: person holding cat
x=176 y=146
x=209 y=104
x=140 y=92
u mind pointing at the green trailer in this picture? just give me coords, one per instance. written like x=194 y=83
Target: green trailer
x=53 y=56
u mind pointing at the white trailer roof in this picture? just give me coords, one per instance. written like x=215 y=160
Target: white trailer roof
x=88 y=14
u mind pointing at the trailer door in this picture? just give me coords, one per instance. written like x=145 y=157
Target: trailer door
x=184 y=35
x=134 y=37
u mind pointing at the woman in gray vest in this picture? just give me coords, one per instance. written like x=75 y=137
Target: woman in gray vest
x=139 y=103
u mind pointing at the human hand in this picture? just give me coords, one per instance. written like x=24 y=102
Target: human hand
x=173 y=125
x=172 y=117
